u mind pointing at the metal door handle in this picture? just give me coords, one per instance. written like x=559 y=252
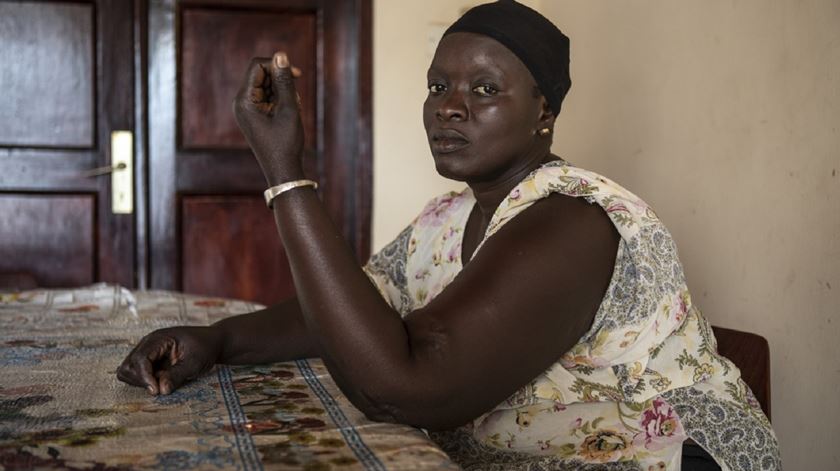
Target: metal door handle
x=99 y=171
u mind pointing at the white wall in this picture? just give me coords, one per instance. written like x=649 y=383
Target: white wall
x=724 y=116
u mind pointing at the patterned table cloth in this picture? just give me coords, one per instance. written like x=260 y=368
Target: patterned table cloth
x=61 y=405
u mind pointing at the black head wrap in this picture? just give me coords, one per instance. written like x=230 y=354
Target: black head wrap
x=540 y=45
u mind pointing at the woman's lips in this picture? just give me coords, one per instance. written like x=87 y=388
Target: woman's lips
x=448 y=141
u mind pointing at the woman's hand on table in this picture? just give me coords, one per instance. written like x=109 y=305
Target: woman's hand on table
x=267 y=110
x=165 y=359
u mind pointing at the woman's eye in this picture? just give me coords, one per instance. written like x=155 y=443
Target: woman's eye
x=436 y=88
x=485 y=90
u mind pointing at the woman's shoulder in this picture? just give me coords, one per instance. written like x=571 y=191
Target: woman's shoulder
x=558 y=179
x=565 y=178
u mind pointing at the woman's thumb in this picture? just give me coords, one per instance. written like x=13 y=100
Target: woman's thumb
x=283 y=80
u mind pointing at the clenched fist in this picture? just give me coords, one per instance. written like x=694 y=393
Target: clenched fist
x=166 y=358
x=267 y=110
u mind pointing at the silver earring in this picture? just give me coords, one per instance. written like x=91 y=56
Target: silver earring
x=544 y=132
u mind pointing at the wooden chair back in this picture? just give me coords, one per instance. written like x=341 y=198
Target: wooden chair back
x=751 y=354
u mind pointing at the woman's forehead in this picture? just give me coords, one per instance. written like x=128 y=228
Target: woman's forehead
x=469 y=53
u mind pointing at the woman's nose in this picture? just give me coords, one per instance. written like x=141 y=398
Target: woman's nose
x=453 y=108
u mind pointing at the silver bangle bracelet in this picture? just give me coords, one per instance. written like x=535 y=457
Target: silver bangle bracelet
x=274 y=191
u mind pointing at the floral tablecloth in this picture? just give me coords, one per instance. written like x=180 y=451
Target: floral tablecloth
x=61 y=405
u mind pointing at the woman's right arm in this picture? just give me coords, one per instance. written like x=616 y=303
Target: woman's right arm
x=273 y=334
x=164 y=359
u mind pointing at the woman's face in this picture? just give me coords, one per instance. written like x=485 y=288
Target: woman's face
x=482 y=111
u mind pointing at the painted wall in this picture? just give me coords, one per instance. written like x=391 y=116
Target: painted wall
x=724 y=116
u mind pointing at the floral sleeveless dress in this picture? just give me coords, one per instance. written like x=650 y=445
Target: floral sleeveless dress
x=642 y=380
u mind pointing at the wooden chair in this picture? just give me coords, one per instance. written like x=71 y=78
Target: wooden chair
x=751 y=354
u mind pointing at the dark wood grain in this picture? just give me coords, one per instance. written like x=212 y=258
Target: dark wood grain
x=262 y=5
x=17 y=281
x=225 y=170
x=217 y=46
x=67 y=78
x=751 y=354
x=115 y=112
x=207 y=159
x=140 y=39
x=363 y=204
x=47 y=169
x=49 y=237
x=164 y=262
x=53 y=101
x=347 y=68
x=231 y=248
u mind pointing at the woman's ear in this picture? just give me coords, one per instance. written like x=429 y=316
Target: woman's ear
x=546 y=117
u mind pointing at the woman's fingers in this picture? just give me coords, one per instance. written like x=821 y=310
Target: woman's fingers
x=131 y=371
x=255 y=81
x=171 y=371
x=165 y=359
x=269 y=83
x=138 y=369
x=272 y=127
x=255 y=92
x=171 y=377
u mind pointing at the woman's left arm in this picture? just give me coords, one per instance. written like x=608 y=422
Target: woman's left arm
x=361 y=336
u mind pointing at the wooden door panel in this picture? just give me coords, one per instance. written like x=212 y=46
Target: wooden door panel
x=210 y=232
x=231 y=248
x=47 y=52
x=217 y=46
x=66 y=82
x=50 y=237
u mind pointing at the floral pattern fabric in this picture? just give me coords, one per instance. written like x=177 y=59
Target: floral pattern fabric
x=645 y=377
x=61 y=406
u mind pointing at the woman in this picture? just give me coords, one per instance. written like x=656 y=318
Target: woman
x=539 y=319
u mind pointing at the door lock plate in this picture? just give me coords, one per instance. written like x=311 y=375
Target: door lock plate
x=122 y=178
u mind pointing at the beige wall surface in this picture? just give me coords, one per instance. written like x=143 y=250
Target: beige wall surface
x=724 y=116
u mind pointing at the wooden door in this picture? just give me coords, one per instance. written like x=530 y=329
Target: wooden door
x=66 y=82
x=210 y=232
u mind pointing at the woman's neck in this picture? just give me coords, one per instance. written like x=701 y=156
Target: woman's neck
x=489 y=195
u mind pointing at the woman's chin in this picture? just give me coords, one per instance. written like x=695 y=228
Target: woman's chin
x=447 y=168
